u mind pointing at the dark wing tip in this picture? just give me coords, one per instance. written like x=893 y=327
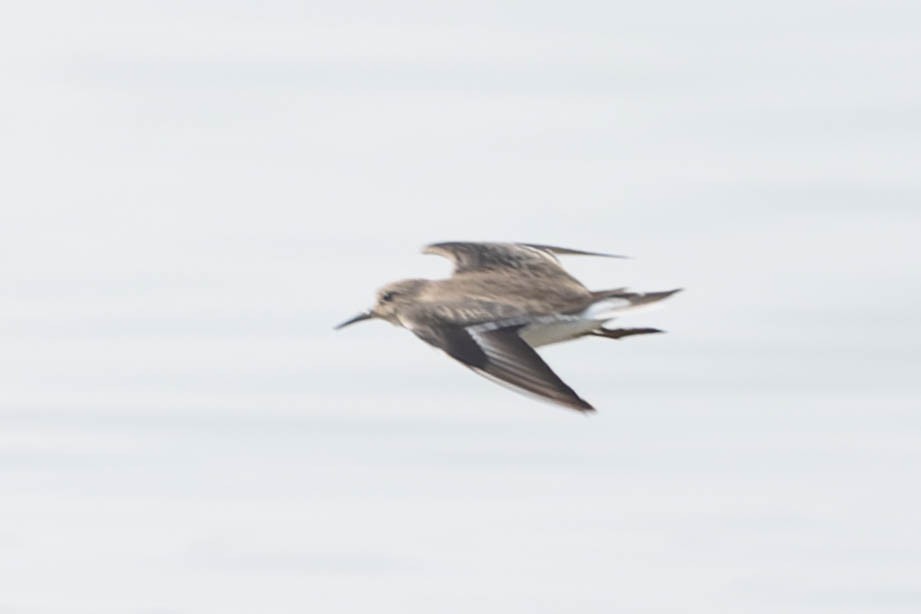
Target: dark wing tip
x=440 y=247
x=581 y=405
x=512 y=362
x=566 y=251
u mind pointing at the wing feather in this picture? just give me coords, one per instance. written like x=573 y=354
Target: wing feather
x=500 y=354
x=529 y=258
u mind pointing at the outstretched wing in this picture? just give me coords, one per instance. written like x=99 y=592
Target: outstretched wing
x=530 y=258
x=501 y=355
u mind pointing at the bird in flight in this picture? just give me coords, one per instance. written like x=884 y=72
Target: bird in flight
x=502 y=301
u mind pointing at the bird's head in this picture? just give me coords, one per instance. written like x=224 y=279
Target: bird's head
x=391 y=300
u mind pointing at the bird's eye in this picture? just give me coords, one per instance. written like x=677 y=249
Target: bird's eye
x=387 y=296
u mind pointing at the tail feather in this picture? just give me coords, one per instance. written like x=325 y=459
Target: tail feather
x=608 y=303
x=635 y=298
x=600 y=294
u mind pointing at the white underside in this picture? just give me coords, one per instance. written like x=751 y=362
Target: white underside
x=539 y=334
x=555 y=331
x=606 y=309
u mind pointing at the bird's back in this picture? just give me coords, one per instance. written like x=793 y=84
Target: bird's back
x=484 y=297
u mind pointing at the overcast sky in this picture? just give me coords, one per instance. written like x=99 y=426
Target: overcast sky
x=195 y=192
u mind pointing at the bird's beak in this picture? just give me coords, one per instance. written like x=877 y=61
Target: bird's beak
x=366 y=315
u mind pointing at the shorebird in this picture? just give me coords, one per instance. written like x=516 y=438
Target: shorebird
x=502 y=301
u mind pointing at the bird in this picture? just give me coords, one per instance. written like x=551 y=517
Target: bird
x=501 y=302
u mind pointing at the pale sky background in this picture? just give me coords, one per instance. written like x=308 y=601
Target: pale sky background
x=195 y=192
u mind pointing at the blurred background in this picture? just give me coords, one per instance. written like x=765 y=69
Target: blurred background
x=195 y=192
